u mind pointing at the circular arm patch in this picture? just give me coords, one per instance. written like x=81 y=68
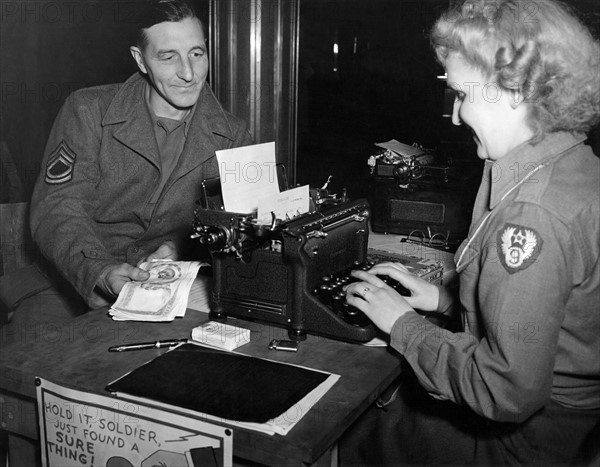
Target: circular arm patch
x=518 y=247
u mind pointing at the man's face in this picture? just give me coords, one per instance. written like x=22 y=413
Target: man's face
x=176 y=62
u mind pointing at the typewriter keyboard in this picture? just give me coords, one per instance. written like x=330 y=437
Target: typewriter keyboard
x=330 y=292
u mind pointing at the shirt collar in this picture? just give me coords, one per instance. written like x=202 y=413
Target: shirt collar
x=510 y=170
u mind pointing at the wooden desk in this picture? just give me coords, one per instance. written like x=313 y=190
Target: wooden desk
x=75 y=354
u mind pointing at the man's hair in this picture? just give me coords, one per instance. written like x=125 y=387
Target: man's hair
x=159 y=11
x=538 y=48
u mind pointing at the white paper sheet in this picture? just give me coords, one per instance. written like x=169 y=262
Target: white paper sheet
x=400 y=148
x=247 y=174
x=285 y=205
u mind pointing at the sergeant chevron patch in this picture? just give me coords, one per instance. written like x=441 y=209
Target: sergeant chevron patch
x=59 y=168
x=518 y=247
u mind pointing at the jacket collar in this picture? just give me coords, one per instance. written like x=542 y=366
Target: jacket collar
x=128 y=108
x=515 y=166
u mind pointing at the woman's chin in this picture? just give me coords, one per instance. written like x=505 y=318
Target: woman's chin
x=482 y=153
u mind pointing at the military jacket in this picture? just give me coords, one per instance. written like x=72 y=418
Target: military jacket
x=90 y=206
x=529 y=290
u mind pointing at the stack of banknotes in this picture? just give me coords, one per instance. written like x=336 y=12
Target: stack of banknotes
x=220 y=335
x=162 y=297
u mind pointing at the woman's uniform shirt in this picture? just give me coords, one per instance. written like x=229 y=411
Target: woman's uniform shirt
x=529 y=290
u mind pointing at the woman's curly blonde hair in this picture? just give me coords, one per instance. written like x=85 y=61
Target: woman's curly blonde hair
x=537 y=48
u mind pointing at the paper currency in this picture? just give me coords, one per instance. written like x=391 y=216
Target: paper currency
x=162 y=297
x=200 y=294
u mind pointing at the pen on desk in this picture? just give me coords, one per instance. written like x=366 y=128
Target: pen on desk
x=147 y=345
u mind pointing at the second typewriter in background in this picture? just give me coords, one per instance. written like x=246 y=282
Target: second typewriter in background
x=292 y=273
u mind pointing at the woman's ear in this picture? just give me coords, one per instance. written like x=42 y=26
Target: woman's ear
x=516 y=97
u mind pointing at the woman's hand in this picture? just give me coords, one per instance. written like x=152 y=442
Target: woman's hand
x=377 y=300
x=424 y=295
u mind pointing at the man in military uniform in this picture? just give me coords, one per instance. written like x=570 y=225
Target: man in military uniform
x=124 y=163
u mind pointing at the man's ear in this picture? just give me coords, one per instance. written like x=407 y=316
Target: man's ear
x=136 y=53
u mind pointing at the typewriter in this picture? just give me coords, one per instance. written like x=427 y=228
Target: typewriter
x=289 y=273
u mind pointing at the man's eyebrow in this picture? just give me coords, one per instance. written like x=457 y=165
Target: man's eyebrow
x=165 y=51
x=174 y=51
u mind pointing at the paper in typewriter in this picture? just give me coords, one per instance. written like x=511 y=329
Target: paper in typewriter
x=400 y=148
x=285 y=205
x=247 y=173
x=248 y=392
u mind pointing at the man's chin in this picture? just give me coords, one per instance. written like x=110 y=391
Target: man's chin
x=184 y=101
x=185 y=104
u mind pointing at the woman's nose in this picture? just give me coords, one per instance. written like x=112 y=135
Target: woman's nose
x=455 y=117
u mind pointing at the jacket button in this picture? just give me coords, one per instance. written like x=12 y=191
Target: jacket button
x=158 y=220
x=135 y=249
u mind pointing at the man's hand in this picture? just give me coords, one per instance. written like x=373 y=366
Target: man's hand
x=167 y=250
x=115 y=277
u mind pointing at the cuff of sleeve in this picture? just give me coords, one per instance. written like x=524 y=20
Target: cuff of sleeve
x=446 y=300
x=404 y=330
x=95 y=270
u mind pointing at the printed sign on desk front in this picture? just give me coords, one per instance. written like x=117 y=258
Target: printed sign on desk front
x=84 y=429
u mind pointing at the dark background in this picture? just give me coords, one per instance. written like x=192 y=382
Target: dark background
x=384 y=88
x=387 y=89
x=48 y=49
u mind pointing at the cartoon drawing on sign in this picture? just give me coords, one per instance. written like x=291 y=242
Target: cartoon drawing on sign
x=164 y=458
x=118 y=461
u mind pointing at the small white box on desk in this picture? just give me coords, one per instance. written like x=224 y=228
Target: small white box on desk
x=220 y=335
